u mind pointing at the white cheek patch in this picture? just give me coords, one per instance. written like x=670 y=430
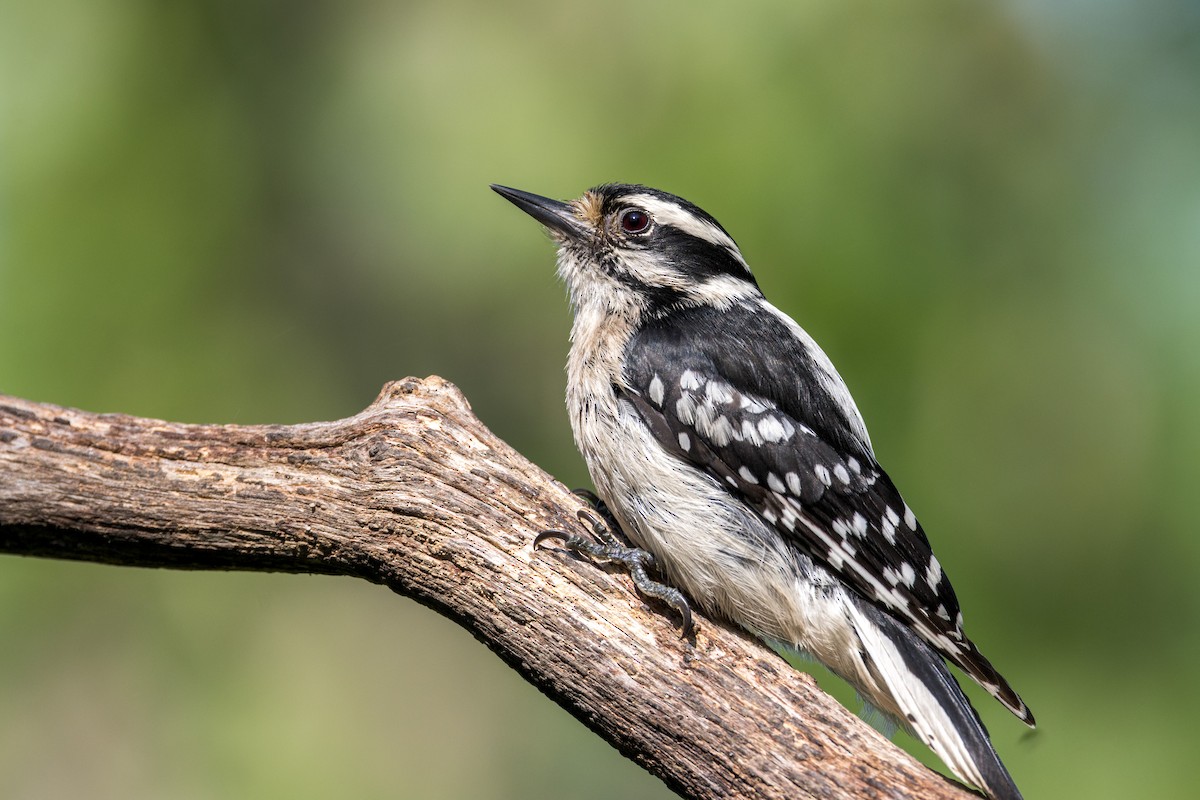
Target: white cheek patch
x=652 y=269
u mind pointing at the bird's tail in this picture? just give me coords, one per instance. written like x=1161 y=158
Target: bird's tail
x=927 y=700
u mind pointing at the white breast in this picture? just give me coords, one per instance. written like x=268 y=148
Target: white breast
x=722 y=555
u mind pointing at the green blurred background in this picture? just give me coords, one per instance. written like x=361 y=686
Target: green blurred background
x=988 y=213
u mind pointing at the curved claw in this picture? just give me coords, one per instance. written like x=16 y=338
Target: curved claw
x=600 y=525
x=591 y=519
x=545 y=536
x=686 y=627
x=588 y=495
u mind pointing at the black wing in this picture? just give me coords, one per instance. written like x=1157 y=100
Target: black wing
x=789 y=450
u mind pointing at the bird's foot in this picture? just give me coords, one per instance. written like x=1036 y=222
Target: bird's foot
x=636 y=561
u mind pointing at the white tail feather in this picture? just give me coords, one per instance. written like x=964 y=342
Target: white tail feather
x=928 y=701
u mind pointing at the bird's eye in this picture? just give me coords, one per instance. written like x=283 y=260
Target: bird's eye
x=634 y=220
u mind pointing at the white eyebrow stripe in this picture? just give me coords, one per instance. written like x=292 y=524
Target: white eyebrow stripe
x=668 y=213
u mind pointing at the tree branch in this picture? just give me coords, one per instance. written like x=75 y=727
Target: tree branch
x=415 y=493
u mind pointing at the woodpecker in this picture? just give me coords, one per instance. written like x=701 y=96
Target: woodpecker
x=729 y=450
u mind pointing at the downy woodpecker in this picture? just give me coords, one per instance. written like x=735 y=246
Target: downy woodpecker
x=724 y=443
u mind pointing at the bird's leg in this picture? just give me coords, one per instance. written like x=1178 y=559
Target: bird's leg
x=638 y=562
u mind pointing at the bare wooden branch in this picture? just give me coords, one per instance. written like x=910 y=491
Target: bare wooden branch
x=415 y=493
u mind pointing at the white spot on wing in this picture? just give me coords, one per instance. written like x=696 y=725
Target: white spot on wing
x=753 y=405
x=908 y=574
x=656 y=391
x=689 y=380
x=747 y=475
x=685 y=441
x=750 y=433
x=841 y=474
x=859 y=523
x=706 y=415
x=718 y=392
x=720 y=431
x=910 y=519
x=793 y=483
x=772 y=429
x=685 y=409
x=789 y=518
x=775 y=484
x=933 y=575
x=822 y=474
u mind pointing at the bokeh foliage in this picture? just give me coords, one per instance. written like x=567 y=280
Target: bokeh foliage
x=988 y=213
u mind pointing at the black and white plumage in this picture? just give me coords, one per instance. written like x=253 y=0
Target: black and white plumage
x=725 y=443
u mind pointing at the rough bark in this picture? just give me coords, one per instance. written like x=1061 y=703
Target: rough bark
x=416 y=494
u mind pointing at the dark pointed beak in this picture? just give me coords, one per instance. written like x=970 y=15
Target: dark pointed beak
x=556 y=215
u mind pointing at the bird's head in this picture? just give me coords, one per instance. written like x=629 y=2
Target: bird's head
x=624 y=245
